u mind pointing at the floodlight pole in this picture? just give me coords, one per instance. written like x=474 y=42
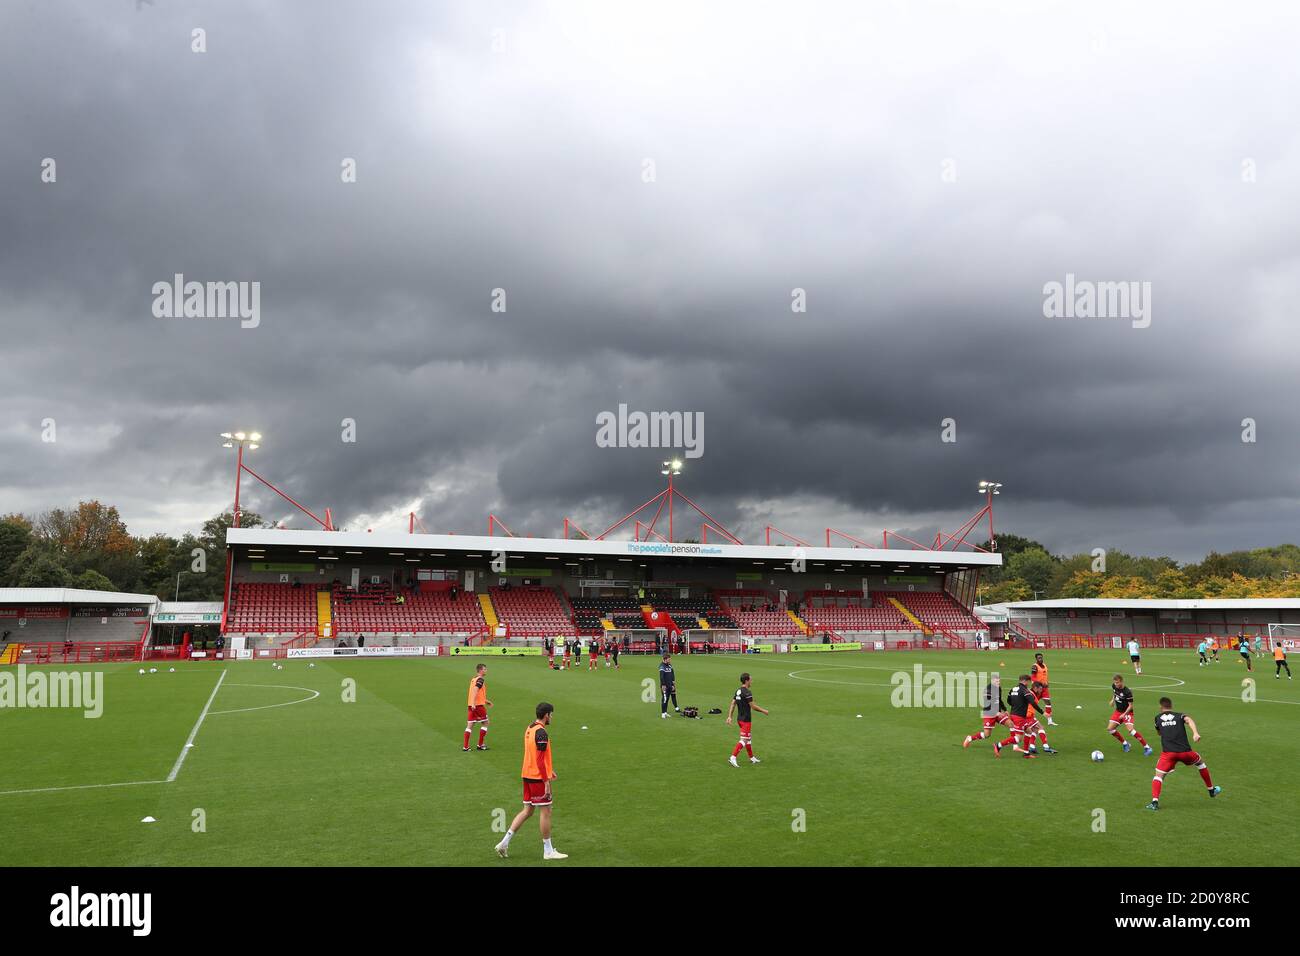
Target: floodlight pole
x=993 y=543
x=239 y=473
x=670 y=505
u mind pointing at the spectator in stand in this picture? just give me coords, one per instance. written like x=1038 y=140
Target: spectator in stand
x=454 y=592
x=297 y=583
x=361 y=640
x=400 y=599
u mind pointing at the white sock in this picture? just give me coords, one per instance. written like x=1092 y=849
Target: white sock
x=546 y=845
x=506 y=839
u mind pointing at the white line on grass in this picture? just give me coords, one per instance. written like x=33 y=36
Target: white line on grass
x=243 y=710
x=84 y=786
x=176 y=767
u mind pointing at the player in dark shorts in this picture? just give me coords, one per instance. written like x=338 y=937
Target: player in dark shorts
x=1174 y=749
x=743 y=706
x=1243 y=645
x=667 y=686
x=1019 y=700
x=993 y=711
x=613 y=648
x=1279 y=662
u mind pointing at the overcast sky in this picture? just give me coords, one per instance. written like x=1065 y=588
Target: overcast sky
x=648 y=184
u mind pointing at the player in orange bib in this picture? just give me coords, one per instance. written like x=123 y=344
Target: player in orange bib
x=1032 y=727
x=1038 y=674
x=1279 y=662
x=478 y=705
x=538 y=771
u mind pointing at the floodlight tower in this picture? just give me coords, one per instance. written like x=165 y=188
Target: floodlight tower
x=671 y=469
x=989 y=489
x=240 y=440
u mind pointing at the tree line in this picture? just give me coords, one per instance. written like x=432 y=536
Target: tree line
x=1029 y=571
x=90 y=547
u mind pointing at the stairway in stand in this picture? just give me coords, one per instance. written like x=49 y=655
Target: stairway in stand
x=902 y=608
x=489 y=616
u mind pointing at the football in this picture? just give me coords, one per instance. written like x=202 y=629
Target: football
x=1098 y=756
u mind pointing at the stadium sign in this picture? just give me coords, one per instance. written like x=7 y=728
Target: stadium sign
x=304 y=652
x=35 y=612
x=843 y=646
x=207 y=617
x=459 y=651
x=688 y=550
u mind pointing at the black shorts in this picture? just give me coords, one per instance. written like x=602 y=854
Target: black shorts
x=1135 y=658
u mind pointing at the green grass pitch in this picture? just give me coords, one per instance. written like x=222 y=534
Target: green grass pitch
x=382 y=780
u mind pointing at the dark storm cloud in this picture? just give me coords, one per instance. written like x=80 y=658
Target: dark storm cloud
x=504 y=148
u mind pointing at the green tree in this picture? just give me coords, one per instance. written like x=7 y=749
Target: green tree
x=92 y=536
x=15 y=538
x=92 y=580
x=1035 y=567
x=39 y=567
x=1008 y=545
x=1005 y=591
x=1083 y=583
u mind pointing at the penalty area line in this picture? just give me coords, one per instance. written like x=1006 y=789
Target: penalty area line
x=189 y=742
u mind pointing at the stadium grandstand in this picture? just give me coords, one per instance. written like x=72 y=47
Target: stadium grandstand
x=43 y=625
x=72 y=626
x=296 y=588
x=291 y=590
x=1155 y=622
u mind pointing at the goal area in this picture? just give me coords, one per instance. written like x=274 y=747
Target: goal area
x=1286 y=635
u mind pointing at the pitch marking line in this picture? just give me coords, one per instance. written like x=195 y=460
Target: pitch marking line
x=84 y=786
x=184 y=750
x=176 y=768
x=288 y=703
x=180 y=759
